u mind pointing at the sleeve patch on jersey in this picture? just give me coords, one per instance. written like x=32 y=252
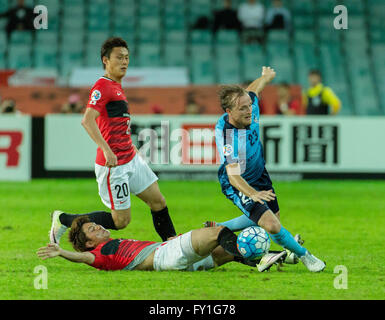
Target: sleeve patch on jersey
x=227 y=149
x=96 y=95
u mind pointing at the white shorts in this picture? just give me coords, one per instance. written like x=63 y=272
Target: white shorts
x=176 y=254
x=115 y=184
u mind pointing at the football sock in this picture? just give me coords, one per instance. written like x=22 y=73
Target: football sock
x=99 y=217
x=163 y=224
x=286 y=240
x=248 y=262
x=238 y=223
x=228 y=240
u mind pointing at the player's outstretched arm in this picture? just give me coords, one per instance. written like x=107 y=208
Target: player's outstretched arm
x=234 y=173
x=268 y=74
x=53 y=250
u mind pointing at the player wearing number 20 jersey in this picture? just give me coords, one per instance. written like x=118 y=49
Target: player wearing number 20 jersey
x=107 y=97
x=119 y=170
x=132 y=174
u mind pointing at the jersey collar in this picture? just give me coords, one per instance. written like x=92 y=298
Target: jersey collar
x=226 y=118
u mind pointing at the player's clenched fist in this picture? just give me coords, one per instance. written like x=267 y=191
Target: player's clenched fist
x=111 y=159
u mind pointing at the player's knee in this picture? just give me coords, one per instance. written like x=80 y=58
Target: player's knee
x=217 y=230
x=213 y=233
x=121 y=219
x=158 y=203
x=273 y=227
x=122 y=222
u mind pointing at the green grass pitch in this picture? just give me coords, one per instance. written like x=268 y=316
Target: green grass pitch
x=342 y=222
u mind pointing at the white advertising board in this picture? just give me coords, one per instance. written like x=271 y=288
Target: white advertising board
x=187 y=143
x=15 y=147
x=67 y=144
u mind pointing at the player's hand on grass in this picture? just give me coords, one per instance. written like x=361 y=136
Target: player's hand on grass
x=268 y=74
x=111 y=159
x=52 y=250
x=259 y=196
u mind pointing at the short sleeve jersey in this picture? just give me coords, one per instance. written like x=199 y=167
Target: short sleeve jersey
x=107 y=97
x=241 y=146
x=119 y=254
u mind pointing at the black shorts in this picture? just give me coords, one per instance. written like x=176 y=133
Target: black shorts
x=249 y=207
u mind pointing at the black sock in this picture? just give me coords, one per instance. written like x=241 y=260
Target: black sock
x=99 y=217
x=228 y=240
x=163 y=224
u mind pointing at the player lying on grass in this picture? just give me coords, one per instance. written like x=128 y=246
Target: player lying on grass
x=199 y=249
x=243 y=177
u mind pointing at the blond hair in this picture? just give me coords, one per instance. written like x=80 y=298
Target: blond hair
x=229 y=95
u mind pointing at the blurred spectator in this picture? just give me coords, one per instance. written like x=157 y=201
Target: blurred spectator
x=252 y=16
x=8 y=106
x=73 y=105
x=192 y=107
x=286 y=105
x=202 y=23
x=226 y=18
x=319 y=99
x=19 y=18
x=278 y=17
x=156 y=109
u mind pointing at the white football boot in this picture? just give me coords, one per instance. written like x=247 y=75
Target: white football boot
x=291 y=257
x=269 y=259
x=57 y=228
x=312 y=263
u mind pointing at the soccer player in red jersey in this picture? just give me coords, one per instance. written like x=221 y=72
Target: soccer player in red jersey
x=119 y=168
x=199 y=249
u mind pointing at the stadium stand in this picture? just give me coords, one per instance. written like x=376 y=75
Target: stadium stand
x=160 y=33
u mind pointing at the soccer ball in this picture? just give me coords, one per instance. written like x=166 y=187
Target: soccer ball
x=253 y=242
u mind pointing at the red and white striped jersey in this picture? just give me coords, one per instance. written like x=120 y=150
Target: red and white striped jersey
x=118 y=254
x=107 y=97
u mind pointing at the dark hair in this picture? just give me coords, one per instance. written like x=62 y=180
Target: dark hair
x=110 y=44
x=77 y=236
x=315 y=72
x=228 y=94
